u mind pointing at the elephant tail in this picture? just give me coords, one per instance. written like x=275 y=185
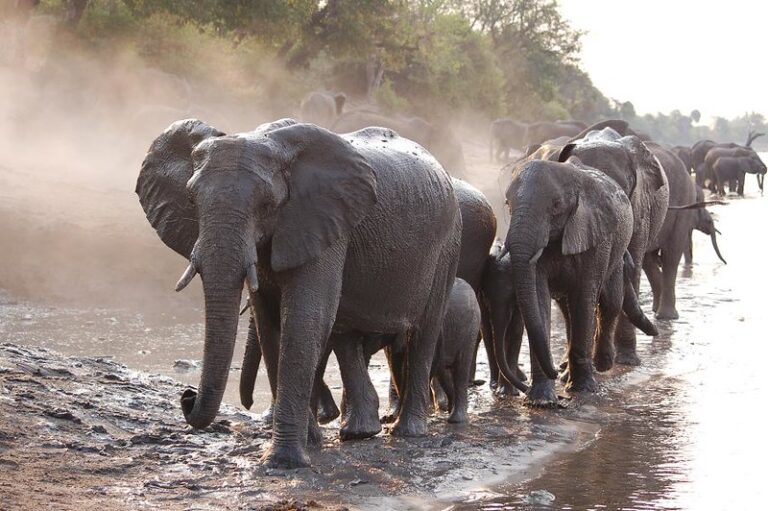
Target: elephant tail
x=699 y=205
x=630 y=305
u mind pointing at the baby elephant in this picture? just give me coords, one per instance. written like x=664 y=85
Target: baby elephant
x=455 y=349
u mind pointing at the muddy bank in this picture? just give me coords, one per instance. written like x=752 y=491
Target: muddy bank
x=89 y=433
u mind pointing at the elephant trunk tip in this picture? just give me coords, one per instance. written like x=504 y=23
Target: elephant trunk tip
x=196 y=420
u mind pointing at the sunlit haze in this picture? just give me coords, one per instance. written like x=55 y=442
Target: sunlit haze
x=683 y=54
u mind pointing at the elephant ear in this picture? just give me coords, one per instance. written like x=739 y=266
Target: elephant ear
x=162 y=183
x=587 y=226
x=566 y=152
x=331 y=187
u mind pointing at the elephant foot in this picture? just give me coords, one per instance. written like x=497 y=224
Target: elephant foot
x=582 y=383
x=268 y=415
x=505 y=390
x=627 y=358
x=357 y=427
x=667 y=313
x=285 y=457
x=439 y=397
x=458 y=417
x=409 y=427
x=603 y=360
x=327 y=411
x=542 y=395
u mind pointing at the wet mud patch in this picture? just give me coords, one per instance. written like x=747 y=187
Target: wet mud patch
x=89 y=433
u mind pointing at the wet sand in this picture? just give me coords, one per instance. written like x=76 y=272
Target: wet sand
x=84 y=433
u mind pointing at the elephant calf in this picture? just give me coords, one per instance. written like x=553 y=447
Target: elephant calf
x=456 y=348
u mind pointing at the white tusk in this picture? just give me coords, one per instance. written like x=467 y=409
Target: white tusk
x=535 y=256
x=187 y=277
x=252 y=278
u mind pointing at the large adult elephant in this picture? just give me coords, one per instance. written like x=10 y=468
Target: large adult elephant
x=612 y=148
x=665 y=251
x=540 y=132
x=322 y=108
x=477 y=235
x=334 y=235
x=436 y=138
x=504 y=135
x=570 y=226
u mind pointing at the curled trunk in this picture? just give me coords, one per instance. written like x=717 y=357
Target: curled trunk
x=222 y=305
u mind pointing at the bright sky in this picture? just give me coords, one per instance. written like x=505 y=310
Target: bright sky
x=684 y=54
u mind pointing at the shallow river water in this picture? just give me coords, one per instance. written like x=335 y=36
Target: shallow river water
x=683 y=431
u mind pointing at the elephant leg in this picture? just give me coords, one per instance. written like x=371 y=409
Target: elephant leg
x=611 y=299
x=268 y=321
x=323 y=402
x=542 y=393
x=396 y=357
x=670 y=259
x=459 y=375
x=415 y=400
x=251 y=362
x=445 y=379
x=740 y=184
x=513 y=341
x=625 y=336
x=310 y=299
x=688 y=253
x=440 y=395
x=581 y=308
x=562 y=304
x=653 y=272
x=361 y=406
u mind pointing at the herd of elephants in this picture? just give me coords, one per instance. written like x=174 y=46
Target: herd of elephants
x=350 y=236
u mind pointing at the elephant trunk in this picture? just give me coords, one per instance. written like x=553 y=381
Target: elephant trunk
x=713 y=237
x=251 y=361
x=524 y=252
x=222 y=305
x=499 y=327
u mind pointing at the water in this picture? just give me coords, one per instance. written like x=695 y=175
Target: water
x=683 y=431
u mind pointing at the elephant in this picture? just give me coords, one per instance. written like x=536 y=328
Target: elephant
x=505 y=134
x=333 y=235
x=700 y=153
x=727 y=166
x=612 y=148
x=684 y=153
x=540 y=132
x=456 y=348
x=322 y=108
x=477 y=235
x=666 y=249
x=570 y=226
x=436 y=138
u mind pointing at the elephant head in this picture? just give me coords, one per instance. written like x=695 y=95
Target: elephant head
x=286 y=191
x=557 y=207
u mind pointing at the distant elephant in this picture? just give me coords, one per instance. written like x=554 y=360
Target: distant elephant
x=505 y=134
x=331 y=240
x=684 y=153
x=665 y=251
x=570 y=226
x=728 y=166
x=540 y=132
x=435 y=138
x=322 y=108
x=456 y=348
x=612 y=148
x=700 y=152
